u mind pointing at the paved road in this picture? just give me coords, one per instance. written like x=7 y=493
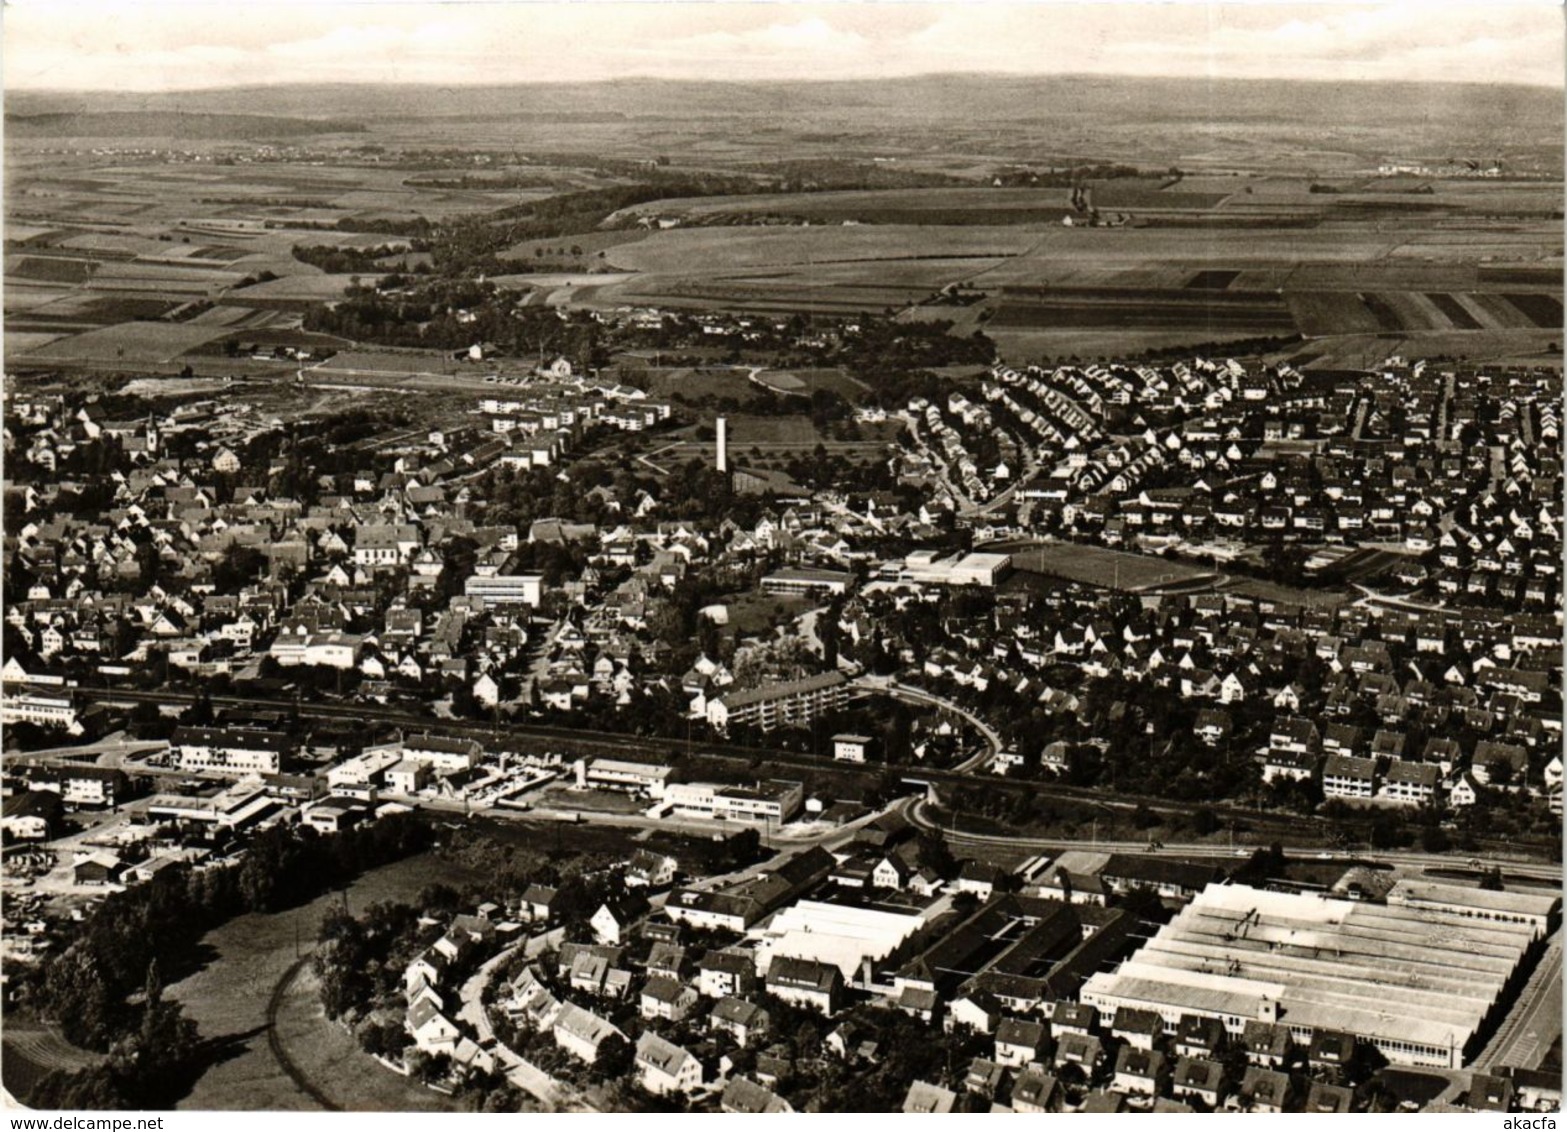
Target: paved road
x=518 y=1070
x=925 y=699
x=1535 y=1020
x=1362 y=410
x=110 y=751
x=949 y=483
x=914 y=810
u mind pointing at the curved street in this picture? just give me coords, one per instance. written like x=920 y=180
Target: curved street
x=518 y=1070
x=887 y=686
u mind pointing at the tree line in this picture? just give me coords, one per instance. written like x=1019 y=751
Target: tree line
x=89 y=989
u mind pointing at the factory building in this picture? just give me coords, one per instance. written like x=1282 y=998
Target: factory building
x=1416 y=981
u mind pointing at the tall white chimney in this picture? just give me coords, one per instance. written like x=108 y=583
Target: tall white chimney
x=723 y=445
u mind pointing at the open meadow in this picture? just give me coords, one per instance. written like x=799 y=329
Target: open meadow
x=234 y=999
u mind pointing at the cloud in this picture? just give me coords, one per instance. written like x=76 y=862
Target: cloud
x=1431 y=42
x=150 y=46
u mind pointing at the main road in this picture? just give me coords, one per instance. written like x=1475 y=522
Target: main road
x=1535 y=1021
x=914 y=811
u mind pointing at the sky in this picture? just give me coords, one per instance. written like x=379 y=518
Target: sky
x=141 y=45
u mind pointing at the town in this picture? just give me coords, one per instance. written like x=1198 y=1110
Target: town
x=758 y=560
x=1314 y=610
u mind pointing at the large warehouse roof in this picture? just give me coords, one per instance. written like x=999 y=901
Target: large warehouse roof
x=843 y=935
x=1533 y=905
x=1392 y=974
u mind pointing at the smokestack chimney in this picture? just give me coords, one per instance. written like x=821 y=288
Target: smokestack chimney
x=723 y=445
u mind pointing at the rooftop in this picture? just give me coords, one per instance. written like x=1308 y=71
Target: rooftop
x=1418 y=975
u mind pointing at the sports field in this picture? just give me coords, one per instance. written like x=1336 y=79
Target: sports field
x=1111 y=569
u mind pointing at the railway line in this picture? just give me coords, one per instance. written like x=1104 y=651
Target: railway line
x=581 y=741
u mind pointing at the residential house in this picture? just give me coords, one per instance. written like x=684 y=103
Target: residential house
x=1018 y=1042
x=925 y=1097
x=1037 y=1090
x=1345 y=776
x=1265 y=1090
x=805 y=982
x=1198 y=1079
x=612 y=922
x=744 y=1021
x=744 y=1095
x=667 y=999
x=662 y=1067
x=1140 y=1072
x=580 y=1032
x=725 y=973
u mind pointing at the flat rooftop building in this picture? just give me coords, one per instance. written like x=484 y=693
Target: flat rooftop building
x=807 y=581
x=1416 y=982
x=506 y=589
x=1537 y=908
x=792 y=703
x=843 y=935
x=618 y=774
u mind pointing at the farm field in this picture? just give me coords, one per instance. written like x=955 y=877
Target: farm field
x=1211 y=311
x=1027 y=343
x=715 y=250
x=21 y=341
x=33 y=1050
x=300 y=288
x=129 y=342
x=1320 y=246
x=1499 y=347
x=590 y=244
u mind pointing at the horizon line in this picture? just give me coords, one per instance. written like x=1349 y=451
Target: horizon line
x=1299 y=80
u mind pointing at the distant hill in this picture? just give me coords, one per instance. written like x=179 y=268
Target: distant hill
x=1190 y=115
x=171 y=124
x=1371 y=104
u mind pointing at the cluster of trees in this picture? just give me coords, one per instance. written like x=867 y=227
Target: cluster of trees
x=414 y=227
x=599 y=490
x=150 y=1064
x=360 y=961
x=86 y=988
x=1073 y=176
x=89 y=990
x=336 y=260
x=890 y=356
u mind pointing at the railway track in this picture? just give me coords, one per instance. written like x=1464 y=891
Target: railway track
x=579 y=741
